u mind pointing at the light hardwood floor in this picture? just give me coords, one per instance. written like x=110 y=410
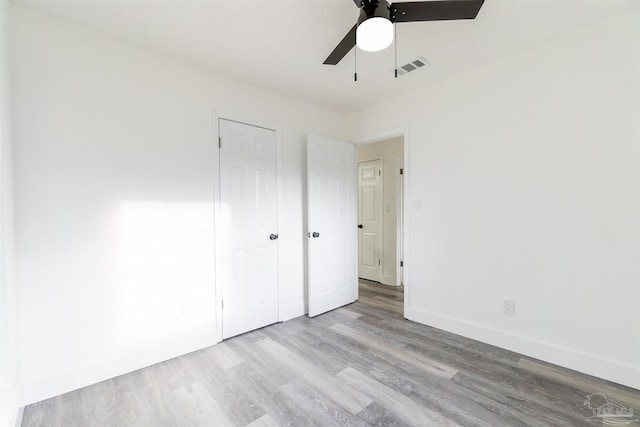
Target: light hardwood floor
x=362 y=364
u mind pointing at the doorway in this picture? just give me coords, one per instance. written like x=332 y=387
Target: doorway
x=332 y=170
x=380 y=210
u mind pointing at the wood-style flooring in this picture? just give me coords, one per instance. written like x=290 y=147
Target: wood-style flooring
x=362 y=364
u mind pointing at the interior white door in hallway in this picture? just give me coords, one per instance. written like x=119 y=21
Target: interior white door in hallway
x=332 y=237
x=249 y=246
x=370 y=220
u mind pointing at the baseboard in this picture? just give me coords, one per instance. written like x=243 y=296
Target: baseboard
x=292 y=311
x=11 y=409
x=591 y=364
x=63 y=382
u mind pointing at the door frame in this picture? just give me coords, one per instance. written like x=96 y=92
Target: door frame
x=399 y=218
x=406 y=241
x=217 y=206
x=380 y=238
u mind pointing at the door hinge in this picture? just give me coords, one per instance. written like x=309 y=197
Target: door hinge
x=379 y=172
x=219 y=142
x=401 y=171
x=222 y=304
x=378 y=262
x=401 y=263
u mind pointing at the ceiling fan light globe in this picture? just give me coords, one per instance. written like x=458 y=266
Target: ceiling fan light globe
x=374 y=34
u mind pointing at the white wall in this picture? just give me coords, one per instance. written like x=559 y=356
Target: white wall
x=527 y=171
x=388 y=151
x=9 y=360
x=114 y=182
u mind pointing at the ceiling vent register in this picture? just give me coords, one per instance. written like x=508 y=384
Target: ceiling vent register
x=413 y=65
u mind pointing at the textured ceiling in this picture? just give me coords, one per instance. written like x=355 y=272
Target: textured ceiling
x=281 y=44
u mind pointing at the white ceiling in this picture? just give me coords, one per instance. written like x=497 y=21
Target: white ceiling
x=281 y=44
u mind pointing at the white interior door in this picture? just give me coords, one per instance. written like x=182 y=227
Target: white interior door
x=249 y=246
x=370 y=221
x=333 y=258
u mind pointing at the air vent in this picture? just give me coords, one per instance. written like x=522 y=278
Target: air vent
x=413 y=65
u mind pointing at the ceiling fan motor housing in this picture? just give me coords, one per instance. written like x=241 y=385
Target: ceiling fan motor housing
x=374 y=9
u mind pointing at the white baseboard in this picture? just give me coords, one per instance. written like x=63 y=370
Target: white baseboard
x=63 y=382
x=588 y=363
x=292 y=311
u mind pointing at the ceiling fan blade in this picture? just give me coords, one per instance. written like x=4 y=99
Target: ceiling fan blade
x=347 y=43
x=438 y=10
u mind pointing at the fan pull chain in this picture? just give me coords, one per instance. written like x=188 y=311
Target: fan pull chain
x=395 y=49
x=355 y=63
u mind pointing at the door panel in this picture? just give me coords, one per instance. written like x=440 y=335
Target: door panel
x=368 y=252
x=368 y=204
x=333 y=279
x=370 y=217
x=248 y=189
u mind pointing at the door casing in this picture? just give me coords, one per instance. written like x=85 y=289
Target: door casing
x=399 y=219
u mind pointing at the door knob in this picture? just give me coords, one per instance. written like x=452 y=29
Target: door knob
x=273 y=237
x=359 y=225
x=316 y=234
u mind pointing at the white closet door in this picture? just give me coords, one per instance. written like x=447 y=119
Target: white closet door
x=248 y=188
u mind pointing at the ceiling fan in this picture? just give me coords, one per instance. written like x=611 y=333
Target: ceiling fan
x=374 y=29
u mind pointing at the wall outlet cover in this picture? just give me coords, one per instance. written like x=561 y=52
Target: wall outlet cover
x=509 y=307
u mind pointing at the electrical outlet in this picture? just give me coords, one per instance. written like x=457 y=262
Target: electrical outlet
x=509 y=307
